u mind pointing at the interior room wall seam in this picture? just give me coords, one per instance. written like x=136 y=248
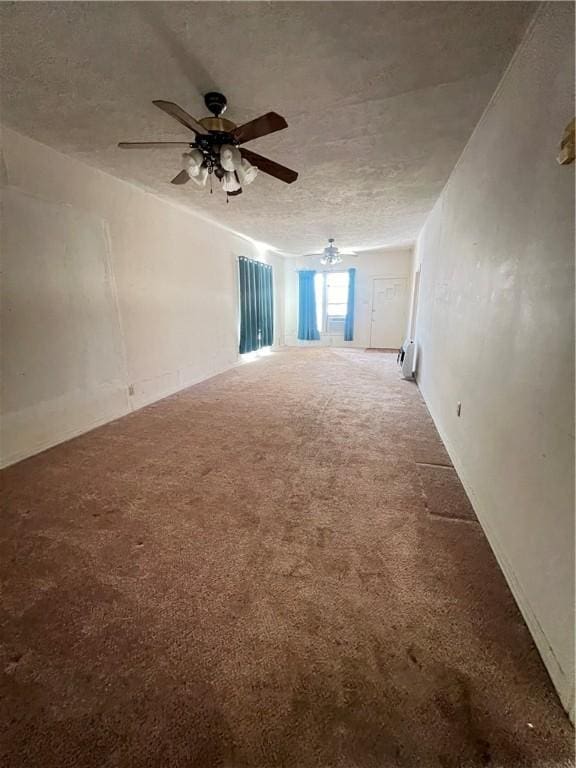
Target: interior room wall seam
x=114 y=287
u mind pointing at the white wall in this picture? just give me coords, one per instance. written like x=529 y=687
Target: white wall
x=112 y=298
x=396 y=262
x=496 y=331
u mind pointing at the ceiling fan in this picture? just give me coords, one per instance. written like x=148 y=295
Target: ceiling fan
x=216 y=149
x=331 y=254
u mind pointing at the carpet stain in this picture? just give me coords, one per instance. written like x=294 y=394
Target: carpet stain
x=413 y=658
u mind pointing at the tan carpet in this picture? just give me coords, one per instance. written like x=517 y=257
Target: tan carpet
x=265 y=570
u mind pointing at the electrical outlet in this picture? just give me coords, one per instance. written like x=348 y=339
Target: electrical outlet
x=458 y=408
x=131 y=390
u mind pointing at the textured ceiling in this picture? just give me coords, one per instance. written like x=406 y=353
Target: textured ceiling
x=380 y=98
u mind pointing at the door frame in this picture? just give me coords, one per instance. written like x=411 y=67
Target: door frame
x=414 y=305
x=372 y=310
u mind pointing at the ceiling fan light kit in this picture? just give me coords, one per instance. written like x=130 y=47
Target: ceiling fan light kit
x=331 y=255
x=230 y=157
x=216 y=151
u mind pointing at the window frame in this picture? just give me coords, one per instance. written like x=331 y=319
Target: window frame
x=326 y=319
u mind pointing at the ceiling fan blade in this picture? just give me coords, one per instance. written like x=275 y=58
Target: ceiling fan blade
x=181 y=178
x=153 y=144
x=261 y=126
x=183 y=117
x=270 y=167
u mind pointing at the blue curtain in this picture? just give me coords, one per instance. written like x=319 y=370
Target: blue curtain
x=256 y=305
x=307 y=325
x=267 y=312
x=349 y=323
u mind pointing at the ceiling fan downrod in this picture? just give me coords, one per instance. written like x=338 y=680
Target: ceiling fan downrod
x=215 y=103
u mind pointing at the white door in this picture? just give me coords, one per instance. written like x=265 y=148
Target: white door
x=389 y=312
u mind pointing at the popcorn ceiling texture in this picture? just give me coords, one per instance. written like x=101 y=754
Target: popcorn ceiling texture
x=380 y=99
x=258 y=573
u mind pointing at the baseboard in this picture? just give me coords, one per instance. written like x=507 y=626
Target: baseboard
x=322 y=343
x=63 y=437
x=560 y=680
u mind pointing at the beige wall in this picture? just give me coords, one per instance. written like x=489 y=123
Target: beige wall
x=496 y=332
x=393 y=262
x=111 y=297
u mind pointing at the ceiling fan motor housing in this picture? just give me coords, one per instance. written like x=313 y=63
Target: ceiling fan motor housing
x=220 y=128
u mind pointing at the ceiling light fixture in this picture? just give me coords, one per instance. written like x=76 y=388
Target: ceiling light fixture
x=331 y=255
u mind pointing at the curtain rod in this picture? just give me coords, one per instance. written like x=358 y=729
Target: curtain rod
x=256 y=261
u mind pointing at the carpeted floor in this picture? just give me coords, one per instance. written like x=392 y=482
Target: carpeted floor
x=275 y=568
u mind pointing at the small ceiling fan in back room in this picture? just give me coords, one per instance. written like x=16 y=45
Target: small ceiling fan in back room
x=216 y=150
x=332 y=255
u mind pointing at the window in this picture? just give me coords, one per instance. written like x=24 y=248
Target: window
x=331 y=300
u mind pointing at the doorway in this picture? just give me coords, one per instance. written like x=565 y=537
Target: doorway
x=389 y=312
